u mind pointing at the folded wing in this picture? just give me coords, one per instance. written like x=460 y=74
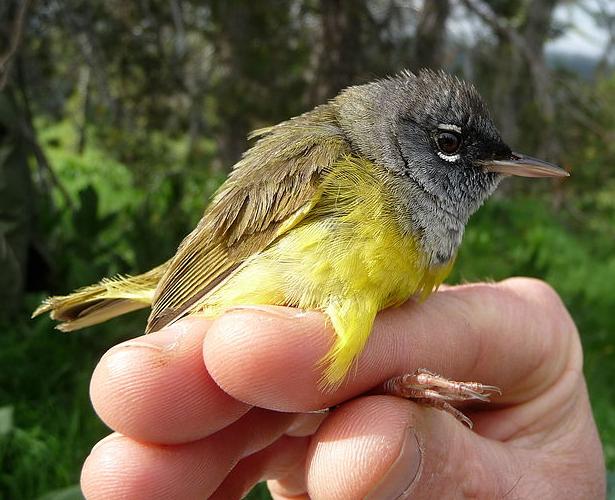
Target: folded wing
x=269 y=191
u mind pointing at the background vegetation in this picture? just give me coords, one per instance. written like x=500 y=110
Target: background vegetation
x=119 y=119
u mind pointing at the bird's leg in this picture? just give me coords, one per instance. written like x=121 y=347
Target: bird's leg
x=434 y=390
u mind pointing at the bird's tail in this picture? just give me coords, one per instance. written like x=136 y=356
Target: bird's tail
x=105 y=300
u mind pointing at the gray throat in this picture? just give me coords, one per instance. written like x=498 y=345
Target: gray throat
x=438 y=225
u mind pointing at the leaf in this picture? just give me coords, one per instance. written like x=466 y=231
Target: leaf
x=610 y=481
x=69 y=493
x=6 y=419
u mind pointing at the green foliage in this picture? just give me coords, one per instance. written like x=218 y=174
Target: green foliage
x=141 y=109
x=119 y=221
x=45 y=378
x=259 y=492
x=116 y=223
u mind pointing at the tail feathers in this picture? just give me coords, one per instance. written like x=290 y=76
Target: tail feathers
x=105 y=300
x=352 y=321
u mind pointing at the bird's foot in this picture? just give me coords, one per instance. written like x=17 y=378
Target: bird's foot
x=434 y=390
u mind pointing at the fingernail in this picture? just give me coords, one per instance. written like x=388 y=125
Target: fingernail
x=272 y=311
x=163 y=340
x=402 y=474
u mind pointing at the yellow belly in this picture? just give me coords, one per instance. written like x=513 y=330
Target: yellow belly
x=348 y=257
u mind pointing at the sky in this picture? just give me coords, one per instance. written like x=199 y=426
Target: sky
x=584 y=37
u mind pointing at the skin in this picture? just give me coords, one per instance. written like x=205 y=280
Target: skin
x=187 y=406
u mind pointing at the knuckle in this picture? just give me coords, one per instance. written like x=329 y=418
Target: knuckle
x=536 y=291
x=556 y=337
x=544 y=302
x=544 y=294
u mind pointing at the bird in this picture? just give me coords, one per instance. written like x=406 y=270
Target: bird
x=353 y=207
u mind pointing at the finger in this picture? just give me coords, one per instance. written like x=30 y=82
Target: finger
x=384 y=447
x=119 y=467
x=516 y=335
x=306 y=424
x=292 y=486
x=156 y=389
x=275 y=461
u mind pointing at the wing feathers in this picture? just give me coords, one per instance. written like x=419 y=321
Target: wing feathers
x=269 y=191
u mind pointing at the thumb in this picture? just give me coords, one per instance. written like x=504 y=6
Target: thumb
x=384 y=447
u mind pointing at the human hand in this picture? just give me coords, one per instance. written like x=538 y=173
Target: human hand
x=188 y=429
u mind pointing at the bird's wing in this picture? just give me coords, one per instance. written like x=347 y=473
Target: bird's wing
x=268 y=192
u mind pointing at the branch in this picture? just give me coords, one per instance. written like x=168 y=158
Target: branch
x=498 y=25
x=15 y=38
x=602 y=15
x=535 y=61
x=26 y=128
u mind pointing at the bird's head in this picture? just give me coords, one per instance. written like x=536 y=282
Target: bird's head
x=435 y=131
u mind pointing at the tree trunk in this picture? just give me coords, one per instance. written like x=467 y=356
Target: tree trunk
x=430 y=38
x=520 y=72
x=339 y=47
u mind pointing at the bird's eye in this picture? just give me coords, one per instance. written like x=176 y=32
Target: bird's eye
x=448 y=142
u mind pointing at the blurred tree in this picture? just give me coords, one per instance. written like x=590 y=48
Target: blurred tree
x=342 y=23
x=357 y=41
x=16 y=212
x=261 y=53
x=521 y=28
x=430 y=39
x=18 y=144
x=603 y=14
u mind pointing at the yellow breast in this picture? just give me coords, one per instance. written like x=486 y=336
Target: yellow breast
x=347 y=257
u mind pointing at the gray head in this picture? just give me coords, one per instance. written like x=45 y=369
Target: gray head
x=433 y=133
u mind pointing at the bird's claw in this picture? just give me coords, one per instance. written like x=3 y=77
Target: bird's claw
x=434 y=390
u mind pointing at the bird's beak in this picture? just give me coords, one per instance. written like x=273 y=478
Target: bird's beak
x=524 y=166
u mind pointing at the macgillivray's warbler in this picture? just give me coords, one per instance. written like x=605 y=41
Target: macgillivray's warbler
x=350 y=208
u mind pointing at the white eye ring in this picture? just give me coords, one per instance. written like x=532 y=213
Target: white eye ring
x=452 y=128
x=449 y=126
x=451 y=158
